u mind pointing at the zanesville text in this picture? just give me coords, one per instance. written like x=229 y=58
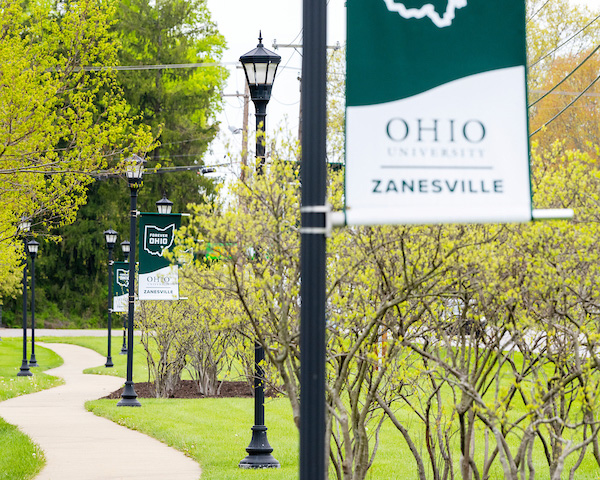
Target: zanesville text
x=457 y=186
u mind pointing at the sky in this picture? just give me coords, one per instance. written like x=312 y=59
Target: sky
x=279 y=20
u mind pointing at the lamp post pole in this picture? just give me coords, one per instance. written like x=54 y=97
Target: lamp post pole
x=125 y=249
x=135 y=171
x=313 y=464
x=111 y=237
x=24 y=227
x=260 y=66
x=33 y=247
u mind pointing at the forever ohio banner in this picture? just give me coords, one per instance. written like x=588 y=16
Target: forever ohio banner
x=158 y=277
x=436 y=114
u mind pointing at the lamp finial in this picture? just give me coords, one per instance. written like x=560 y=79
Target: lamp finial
x=260 y=39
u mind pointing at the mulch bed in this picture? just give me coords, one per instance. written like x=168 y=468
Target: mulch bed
x=189 y=389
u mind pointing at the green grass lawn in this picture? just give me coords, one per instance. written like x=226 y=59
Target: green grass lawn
x=20 y=458
x=215 y=432
x=99 y=344
x=11 y=355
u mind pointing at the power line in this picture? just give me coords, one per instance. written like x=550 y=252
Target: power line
x=122 y=68
x=538 y=11
x=156 y=67
x=564 y=79
x=562 y=44
x=568 y=94
x=570 y=103
x=203 y=169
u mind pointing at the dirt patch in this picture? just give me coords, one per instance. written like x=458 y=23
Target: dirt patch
x=189 y=389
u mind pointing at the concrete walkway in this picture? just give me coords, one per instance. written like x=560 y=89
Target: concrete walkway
x=63 y=332
x=78 y=444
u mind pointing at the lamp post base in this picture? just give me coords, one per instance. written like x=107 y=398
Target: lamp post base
x=259 y=451
x=33 y=361
x=109 y=362
x=24 y=371
x=129 y=397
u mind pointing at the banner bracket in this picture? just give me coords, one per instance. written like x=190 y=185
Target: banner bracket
x=323 y=209
x=552 y=214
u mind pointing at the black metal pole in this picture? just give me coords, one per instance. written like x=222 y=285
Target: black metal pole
x=32 y=360
x=259 y=385
x=124 y=346
x=313 y=244
x=24 y=370
x=259 y=450
x=109 y=362
x=129 y=397
x=261 y=118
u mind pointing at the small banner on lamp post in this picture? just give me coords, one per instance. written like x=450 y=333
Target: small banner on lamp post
x=120 y=287
x=158 y=276
x=436 y=114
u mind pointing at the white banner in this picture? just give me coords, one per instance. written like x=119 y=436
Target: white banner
x=121 y=303
x=455 y=153
x=161 y=284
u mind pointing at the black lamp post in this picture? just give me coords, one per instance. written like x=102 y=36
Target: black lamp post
x=32 y=247
x=111 y=238
x=24 y=227
x=135 y=171
x=260 y=66
x=125 y=249
x=164 y=205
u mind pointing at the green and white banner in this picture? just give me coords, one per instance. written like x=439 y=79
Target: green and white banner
x=158 y=277
x=120 y=287
x=436 y=114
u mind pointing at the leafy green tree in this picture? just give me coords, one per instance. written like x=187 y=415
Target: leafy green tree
x=560 y=37
x=179 y=105
x=58 y=123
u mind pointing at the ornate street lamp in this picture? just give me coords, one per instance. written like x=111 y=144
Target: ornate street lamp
x=134 y=168
x=164 y=205
x=24 y=227
x=110 y=236
x=260 y=66
x=125 y=248
x=32 y=248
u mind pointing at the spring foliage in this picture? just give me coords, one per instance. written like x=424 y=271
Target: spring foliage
x=58 y=123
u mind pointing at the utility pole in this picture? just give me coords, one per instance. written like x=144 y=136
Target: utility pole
x=245 y=130
x=298 y=46
x=246 y=96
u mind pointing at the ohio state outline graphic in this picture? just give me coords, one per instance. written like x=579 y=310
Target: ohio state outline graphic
x=427 y=10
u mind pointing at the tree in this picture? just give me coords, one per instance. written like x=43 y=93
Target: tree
x=377 y=271
x=59 y=123
x=576 y=128
x=179 y=105
x=559 y=37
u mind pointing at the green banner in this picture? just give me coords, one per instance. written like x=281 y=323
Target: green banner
x=158 y=277
x=436 y=114
x=120 y=287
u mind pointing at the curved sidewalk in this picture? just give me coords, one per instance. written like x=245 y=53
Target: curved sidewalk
x=78 y=444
